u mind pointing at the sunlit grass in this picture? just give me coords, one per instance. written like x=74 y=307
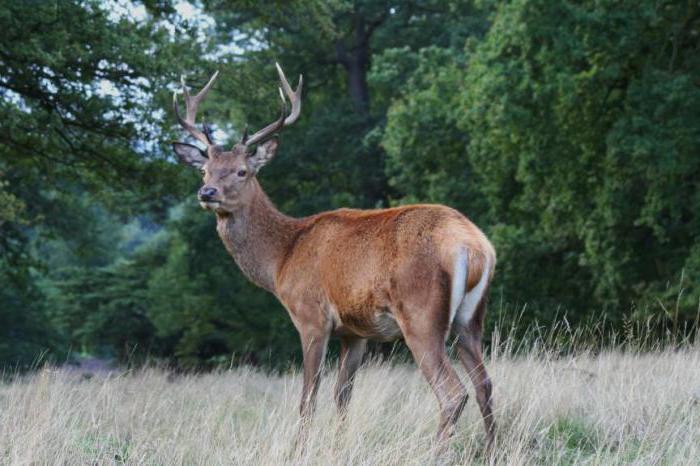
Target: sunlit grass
x=612 y=407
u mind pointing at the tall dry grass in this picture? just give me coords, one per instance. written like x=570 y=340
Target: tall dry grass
x=613 y=407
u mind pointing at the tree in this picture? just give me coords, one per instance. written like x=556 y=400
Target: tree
x=581 y=152
x=78 y=97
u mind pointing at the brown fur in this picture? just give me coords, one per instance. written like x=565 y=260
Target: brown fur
x=353 y=263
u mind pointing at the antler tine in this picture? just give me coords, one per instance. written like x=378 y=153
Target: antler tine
x=191 y=105
x=244 y=138
x=267 y=132
x=193 y=130
x=294 y=97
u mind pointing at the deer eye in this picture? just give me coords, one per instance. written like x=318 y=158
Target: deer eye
x=242 y=173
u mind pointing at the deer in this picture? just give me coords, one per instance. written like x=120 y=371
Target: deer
x=418 y=272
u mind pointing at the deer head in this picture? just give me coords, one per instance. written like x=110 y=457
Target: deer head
x=228 y=174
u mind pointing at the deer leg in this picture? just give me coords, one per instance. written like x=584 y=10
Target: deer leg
x=429 y=352
x=469 y=352
x=351 y=352
x=314 y=346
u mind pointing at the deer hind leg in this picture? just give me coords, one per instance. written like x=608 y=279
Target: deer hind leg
x=430 y=355
x=424 y=324
x=351 y=352
x=469 y=352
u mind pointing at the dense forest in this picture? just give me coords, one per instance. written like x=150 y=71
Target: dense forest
x=568 y=131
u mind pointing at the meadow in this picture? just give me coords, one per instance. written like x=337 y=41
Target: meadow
x=617 y=406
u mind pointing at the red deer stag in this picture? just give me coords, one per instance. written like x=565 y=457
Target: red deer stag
x=416 y=271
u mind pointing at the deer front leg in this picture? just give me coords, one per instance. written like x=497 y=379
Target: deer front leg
x=314 y=344
x=351 y=351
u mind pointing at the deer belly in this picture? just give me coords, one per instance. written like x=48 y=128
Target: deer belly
x=376 y=324
x=386 y=327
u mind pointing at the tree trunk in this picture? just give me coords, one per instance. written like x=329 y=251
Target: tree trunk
x=356 y=60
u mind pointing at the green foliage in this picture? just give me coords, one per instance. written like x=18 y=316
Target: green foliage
x=25 y=339
x=570 y=438
x=569 y=132
x=78 y=97
x=104 y=309
x=425 y=148
x=11 y=207
x=590 y=142
x=582 y=151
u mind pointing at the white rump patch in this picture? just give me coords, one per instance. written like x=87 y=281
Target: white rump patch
x=460 y=272
x=473 y=297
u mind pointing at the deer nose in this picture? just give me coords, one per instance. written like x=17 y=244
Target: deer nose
x=206 y=193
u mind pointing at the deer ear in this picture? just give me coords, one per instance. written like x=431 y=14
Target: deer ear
x=263 y=154
x=189 y=154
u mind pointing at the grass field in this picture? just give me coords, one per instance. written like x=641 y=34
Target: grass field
x=617 y=407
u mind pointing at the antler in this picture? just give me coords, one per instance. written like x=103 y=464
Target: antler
x=294 y=97
x=191 y=104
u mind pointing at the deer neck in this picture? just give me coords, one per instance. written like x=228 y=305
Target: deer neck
x=258 y=236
